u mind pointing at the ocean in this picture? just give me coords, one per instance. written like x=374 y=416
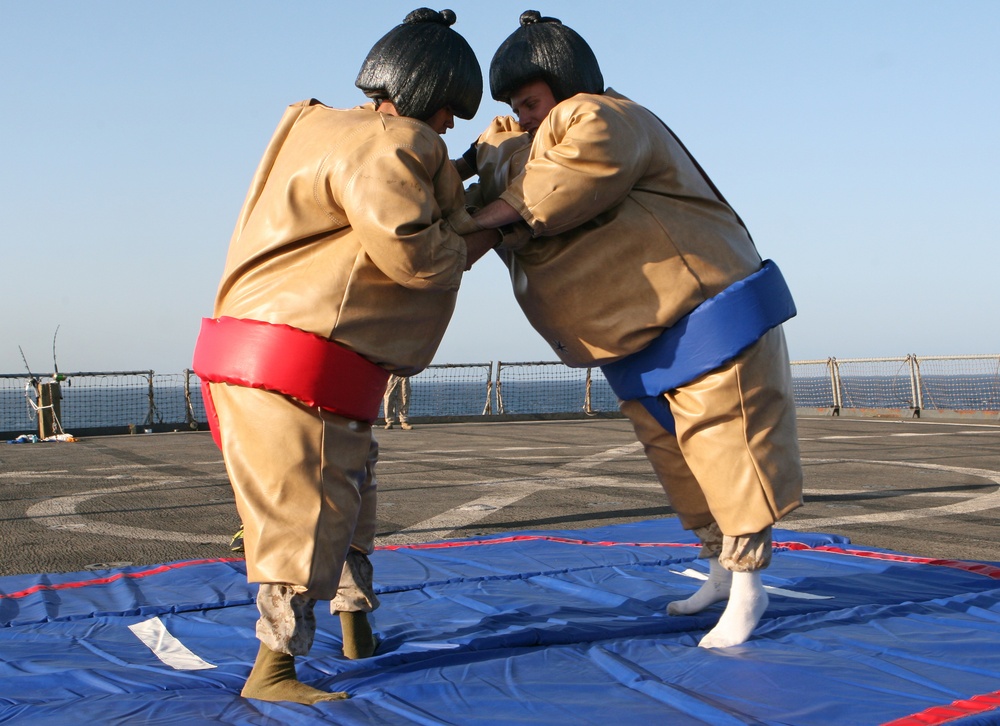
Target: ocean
x=87 y=407
x=112 y=404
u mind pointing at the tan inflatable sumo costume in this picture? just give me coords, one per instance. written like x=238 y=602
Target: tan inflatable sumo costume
x=344 y=268
x=623 y=254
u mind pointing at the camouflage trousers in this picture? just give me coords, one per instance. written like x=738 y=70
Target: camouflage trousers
x=287 y=623
x=745 y=553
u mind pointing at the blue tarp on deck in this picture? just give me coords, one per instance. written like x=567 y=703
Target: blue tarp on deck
x=547 y=627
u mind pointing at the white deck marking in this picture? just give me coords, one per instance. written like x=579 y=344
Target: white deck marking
x=835 y=437
x=876 y=493
x=506 y=492
x=60 y=513
x=990 y=500
x=59 y=474
x=154 y=634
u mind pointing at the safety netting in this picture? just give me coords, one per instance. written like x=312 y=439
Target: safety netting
x=543 y=627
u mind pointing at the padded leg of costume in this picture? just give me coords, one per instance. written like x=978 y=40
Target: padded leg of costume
x=747 y=603
x=273 y=679
x=736 y=430
x=298 y=475
x=682 y=489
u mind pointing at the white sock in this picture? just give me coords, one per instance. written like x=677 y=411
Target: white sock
x=747 y=603
x=714 y=589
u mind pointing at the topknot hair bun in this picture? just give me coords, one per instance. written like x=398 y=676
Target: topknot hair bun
x=422 y=65
x=530 y=17
x=543 y=48
x=426 y=15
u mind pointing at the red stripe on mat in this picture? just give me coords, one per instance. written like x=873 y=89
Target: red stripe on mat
x=527 y=538
x=956 y=709
x=117 y=576
x=978 y=568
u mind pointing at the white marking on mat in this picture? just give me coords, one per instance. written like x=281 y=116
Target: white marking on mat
x=695 y=574
x=172 y=652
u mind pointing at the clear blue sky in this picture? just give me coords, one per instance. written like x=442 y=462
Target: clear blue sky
x=858 y=140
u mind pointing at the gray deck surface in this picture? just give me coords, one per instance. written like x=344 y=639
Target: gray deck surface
x=930 y=489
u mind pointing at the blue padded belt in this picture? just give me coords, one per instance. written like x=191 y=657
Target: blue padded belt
x=713 y=333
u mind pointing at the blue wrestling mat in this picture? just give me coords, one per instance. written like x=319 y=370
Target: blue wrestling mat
x=536 y=628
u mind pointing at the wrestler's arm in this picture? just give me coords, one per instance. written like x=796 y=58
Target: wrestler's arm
x=470 y=162
x=479 y=243
x=586 y=160
x=391 y=202
x=497 y=214
x=498 y=156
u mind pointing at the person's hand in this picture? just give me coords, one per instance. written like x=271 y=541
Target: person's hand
x=479 y=243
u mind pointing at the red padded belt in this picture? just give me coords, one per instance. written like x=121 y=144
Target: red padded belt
x=290 y=361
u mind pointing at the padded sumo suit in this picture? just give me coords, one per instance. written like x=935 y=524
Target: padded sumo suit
x=348 y=233
x=626 y=236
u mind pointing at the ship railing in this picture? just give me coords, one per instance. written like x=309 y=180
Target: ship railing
x=139 y=401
